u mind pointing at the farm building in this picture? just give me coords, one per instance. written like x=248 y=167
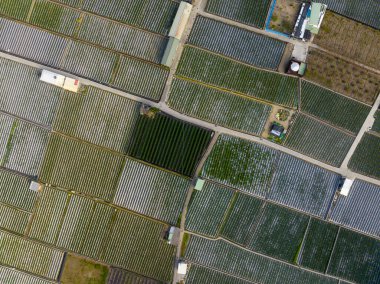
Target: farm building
x=309 y=20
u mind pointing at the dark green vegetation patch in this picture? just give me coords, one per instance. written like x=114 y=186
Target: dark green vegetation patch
x=249 y=12
x=318 y=140
x=366 y=158
x=168 y=143
x=279 y=233
x=216 y=70
x=318 y=245
x=332 y=107
x=240 y=163
x=18 y=9
x=356 y=258
x=208 y=208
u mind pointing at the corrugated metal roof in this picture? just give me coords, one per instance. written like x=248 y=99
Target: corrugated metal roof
x=90 y=61
x=82 y=167
x=122 y=38
x=31 y=43
x=119 y=276
x=360 y=209
x=12 y=219
x=10 y=275
x=24 y=95
x=303 y=186
x=157 y=17
x=240 y=44
x=230 y=259
x=151 y=191
x=15 y=250
x=14 y=190
x=133 y=75
x=218 y=107
x=88 y=117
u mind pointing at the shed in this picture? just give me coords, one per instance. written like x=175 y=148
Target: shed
x=71 y=85
x=277 y=130
x=317 y=13
x=346 y=186
x=199 y=185
x=180 y=20
x=52 y=78
x=35 y=186
x=170 y=52
x=182 y=268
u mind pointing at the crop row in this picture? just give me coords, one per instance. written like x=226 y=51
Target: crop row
x=123 y=276
x=218 y=107
x=13 y=220
x=333 y=107
x=226 y=73
x=10 y=275
x=237 y=43
x=99 y=231
x=150 y=191
x=376 y=124
x=83 y=59
x=168 y=143
x=244 y=11
x=318 y=140
x=365 y=159
x=200 y=274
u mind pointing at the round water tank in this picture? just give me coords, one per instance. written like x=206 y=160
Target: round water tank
x=295 y=67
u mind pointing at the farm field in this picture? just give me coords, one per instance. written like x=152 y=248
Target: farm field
x=122 y=276
x=12 y=219
x=366 y=157
x=279 y=233
x=239 y=225
x=284 y=16
x=18 y=10
x=168 y=143
x=87 y=116
x=208 y=208
x=318 y=245
x=81 y=271
x=199 y=274
x=332 y=107
x=343 y=77
x=82 y=167
x=241 y=164
x=303 y=186
x=355 y=258
x=237 y=43
x=318 y=140
x=247 y=265
x=218 y=107
x=206 y=67
x=353 y=210
x=244 y=11
x=24 y=95
x=11 y=275
x=365 y=13
x=150 y=191
x=337 y=34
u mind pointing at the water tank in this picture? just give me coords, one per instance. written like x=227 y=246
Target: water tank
x=295 y=67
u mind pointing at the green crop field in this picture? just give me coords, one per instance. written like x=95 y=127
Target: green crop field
x=88 y=117
x=199 y=274
x=13 y=276
x=168 y=143
x=218 y=107
x=365 y=159
x=78 y=166
x=333 y=107
x=239 y=224
x=240 y=163
x=376 y=125
x=54 y=17
x=318 y=245
x=208 y=208
x=228 y=74
x=15 y=9
x=318 y=140
x=253 y=13
x=279 y=233
x=13 y=220
x=355 y=258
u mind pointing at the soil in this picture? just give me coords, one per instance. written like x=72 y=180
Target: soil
x=342 y=76
x=350 y=39
x=272 y=118
x=285 y=15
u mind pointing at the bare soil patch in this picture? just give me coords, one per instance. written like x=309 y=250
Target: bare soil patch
x=285 y=15
x=342 y=76
x=349 y=38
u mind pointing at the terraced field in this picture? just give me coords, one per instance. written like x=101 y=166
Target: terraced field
x=332 y=107
x=228 y=74
x=244 y=11
x=241 y=164
x=366 y=158
x=218 y=107
x=208 y=208
x=237 y=43
x=168 y=143
x=318 y=140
